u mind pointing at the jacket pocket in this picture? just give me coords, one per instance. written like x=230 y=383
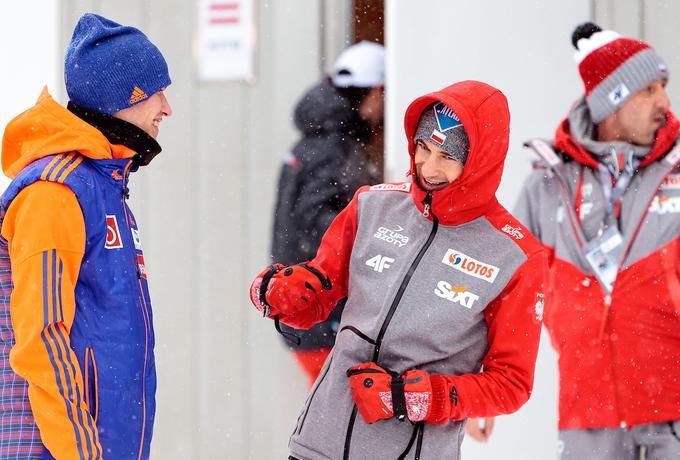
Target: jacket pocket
x=91 y=383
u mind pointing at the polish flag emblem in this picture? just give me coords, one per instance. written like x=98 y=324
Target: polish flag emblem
x=438 y=137
x=113 y=239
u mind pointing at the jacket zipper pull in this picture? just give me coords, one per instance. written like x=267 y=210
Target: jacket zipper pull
x=607 y=307
x=427 y=201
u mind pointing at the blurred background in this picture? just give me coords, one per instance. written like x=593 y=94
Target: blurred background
x=227 y=386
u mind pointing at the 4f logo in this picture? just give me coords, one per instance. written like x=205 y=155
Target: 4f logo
x=380 y=263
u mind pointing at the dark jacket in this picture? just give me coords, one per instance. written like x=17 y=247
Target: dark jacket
x=318 y=179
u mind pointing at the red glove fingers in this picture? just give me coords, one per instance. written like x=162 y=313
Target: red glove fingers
x=295 y=288
x=285 y=291
x=258 y=296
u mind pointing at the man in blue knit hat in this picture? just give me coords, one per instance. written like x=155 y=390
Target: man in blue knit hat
x=76 y=337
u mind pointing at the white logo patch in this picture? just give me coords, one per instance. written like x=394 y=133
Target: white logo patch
x=514 y=232
x=136 y=239
x=470 y=266
x=665 y=205
x=392 y=236
x=671 y=182
x=456 y=294
x=539 y=307
x=403 y=187
x=586 y=208
x=380 y=263
x=619 y=93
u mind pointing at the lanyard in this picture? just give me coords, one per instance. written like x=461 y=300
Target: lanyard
x=621 y=173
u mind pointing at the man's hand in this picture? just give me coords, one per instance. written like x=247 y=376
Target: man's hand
x=285 y=291
x=381 y=394
x=480 y=429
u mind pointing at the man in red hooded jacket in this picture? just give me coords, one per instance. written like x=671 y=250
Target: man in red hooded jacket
x=604 y=203
x=441 y=282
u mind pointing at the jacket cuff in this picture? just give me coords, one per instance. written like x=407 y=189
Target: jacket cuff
x=441 y=404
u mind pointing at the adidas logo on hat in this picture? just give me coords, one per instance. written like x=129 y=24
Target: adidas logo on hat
x=137 y=95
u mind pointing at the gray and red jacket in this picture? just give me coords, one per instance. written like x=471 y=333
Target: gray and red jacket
x=447 y=282
x=618 y=353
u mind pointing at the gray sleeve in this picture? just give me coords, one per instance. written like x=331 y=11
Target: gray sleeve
x=526 y=207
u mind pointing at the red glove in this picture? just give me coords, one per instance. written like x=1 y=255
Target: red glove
x=286 y=291
x=380 y=394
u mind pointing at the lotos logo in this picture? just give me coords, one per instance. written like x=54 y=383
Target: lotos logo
x=456 y=294
x=113 y=240
x=392 y=236
x=470 y=266
x=662 y=204
x=514 y=232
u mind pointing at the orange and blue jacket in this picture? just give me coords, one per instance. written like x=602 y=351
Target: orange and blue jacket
x=76 y=336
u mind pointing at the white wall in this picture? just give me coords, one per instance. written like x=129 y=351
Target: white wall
x=523 y=48
x=29 y=55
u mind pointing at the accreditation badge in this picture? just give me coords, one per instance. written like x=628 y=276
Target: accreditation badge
x=604 y=255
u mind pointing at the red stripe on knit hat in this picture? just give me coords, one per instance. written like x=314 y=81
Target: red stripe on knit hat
x=599 y=64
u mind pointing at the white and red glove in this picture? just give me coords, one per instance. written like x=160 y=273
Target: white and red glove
x=381 y=394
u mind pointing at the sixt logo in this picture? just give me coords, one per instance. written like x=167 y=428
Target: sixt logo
x=470 y=266
x=392 y=236
x=665 y=205
x=456 y=294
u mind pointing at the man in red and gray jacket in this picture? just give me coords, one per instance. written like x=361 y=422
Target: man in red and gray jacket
x=605 y=202
x=441 y=282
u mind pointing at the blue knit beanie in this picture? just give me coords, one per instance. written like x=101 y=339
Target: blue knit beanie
x=110 y=67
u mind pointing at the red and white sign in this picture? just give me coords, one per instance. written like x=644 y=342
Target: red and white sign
x=225 y=40
x=470 y=266
x=113 y=239
x=142 y=267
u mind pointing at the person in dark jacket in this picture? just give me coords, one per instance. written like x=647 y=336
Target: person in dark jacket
x=337 y=118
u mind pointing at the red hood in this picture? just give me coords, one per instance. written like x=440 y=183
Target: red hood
x=665 y=138
x=483 y=110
